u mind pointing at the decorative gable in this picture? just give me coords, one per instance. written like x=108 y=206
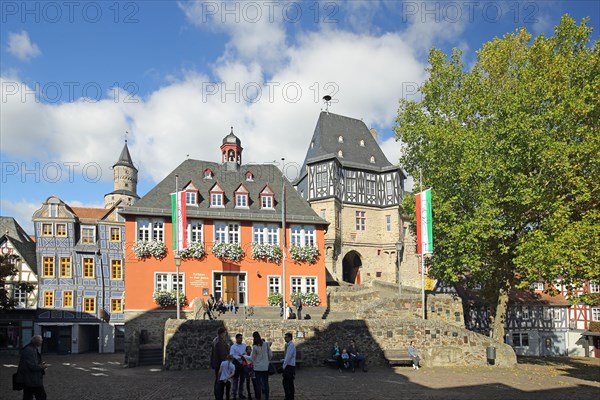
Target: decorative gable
x=241 y=197
x=249 y=176
x=208 y=174
x=191 y=194
x=267 y=198
x=217 y=196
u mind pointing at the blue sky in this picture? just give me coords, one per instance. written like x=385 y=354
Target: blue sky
x=75 y=76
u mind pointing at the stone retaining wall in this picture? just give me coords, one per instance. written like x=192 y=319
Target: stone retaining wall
x=188 y=342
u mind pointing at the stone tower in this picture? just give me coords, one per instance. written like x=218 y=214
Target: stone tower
x=125 y=176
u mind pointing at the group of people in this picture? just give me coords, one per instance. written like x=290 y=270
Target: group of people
x=348 y=357
x=219 y=306
x=289 y=312
x=239 y=363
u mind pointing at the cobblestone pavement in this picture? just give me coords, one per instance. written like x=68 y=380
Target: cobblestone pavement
x=102 y=376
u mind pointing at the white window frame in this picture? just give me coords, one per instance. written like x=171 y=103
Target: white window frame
x=595 y=313
x=50 y=233
x=361 y=220
x=191 y=198
x=57 y=230
x=388 y=223
x=303 y=235
x=195 y=231
x=594 y=287
x=321 y=176
x=167 y=281
x=241 y=200
x=269 y=233
x=273 y=284
x=143 y=229
x=537 y=286
x=519 y=341
x=526 y=312
x=158 y=231
x=389 y=186
x=304 y=284
x=371 y=185
x=227 y=232
x=266 y=201
x=53 y=210
x=20 y=297
x=351 y=182
x=216 y=199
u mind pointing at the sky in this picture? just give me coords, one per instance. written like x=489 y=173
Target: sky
x=79 y=78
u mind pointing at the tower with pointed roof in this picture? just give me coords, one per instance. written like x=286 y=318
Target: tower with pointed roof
x=125 y=176
x=231 y=152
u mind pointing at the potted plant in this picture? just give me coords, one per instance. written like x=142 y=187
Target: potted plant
x=307 y=254
x=266 y=252
x=153 y=248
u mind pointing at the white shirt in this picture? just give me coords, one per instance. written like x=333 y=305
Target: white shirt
x=290 y=355
x=237 y=350
x=227 y=370
x=261 y=356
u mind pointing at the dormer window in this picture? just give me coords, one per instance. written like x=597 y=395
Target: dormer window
x=266 y=198
x=241 y=197
x=340 y=154
x=372 y=159
x=362 y=143
x=217 y=196
x=249 y=176
x=191 y=198
x=340 y=139
x=208 y=174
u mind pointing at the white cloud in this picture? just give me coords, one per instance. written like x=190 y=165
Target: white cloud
x=365 y=73
x=22 y=211
x=21 y=46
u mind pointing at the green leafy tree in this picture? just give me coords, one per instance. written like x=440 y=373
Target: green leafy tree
x=511 y=149
x=8 y=268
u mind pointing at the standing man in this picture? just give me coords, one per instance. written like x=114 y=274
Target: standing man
x=238 y=349
x=220 y=351
x=31 y=370
x=289 y=367
x=298 y=306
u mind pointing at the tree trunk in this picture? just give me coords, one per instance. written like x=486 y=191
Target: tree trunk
x=499 y=316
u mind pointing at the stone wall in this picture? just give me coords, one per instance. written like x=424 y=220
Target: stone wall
x=188 y=342
x=445 y=307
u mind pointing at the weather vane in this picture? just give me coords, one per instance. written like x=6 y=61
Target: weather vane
x=327 y=100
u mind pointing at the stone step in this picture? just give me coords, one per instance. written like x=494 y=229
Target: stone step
x=150 y=356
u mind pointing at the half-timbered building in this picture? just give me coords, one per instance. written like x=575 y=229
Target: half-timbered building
x=16 y=324
x=348 y=181
x=80 y=255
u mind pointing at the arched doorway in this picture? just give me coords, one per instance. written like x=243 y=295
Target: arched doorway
x=351 y=265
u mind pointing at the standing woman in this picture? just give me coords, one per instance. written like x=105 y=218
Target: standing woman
x=261 y=355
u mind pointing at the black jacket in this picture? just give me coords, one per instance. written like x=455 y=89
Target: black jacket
x=31 y=369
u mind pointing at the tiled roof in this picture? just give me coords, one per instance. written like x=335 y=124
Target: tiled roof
x=157 y=201
x=11 y=229
x=89 y=214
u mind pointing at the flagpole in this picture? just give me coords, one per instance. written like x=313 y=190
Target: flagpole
x=283 y=247
x=422 y=255
x=175 y=225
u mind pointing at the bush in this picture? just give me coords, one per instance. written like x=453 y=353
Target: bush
x=307 y=254
x=194 y=250
x=166 y=299
x=145 y=249
x=228 y=251
x=274 y=298
x=266 y=252
x=308 y=299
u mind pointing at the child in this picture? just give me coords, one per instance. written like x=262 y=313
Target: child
x=226 y=372
x=345 y=359
x=249 y=370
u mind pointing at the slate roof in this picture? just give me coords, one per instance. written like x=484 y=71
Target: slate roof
x=125 y=158
x=157 y=201
x=325 y=144
x=11 y=230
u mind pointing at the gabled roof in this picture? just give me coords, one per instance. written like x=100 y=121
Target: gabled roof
x=12 y=231
x=89 y=214
x=516 y=297
x=157 y=201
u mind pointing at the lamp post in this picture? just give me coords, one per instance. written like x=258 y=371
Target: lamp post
x=177 y=264
x=399 y=246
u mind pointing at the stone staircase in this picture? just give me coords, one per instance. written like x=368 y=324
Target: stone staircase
x=150 y=356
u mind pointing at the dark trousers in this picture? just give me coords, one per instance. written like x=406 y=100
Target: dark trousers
x=289 y=374
x=357 y=360
x=254 y=386
x=262 y=384
x=299 y=313
x=218 y=389
x=238 y=381
x=224 y=387
x=38 y=392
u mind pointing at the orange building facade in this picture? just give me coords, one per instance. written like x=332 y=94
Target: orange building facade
x=230 y=209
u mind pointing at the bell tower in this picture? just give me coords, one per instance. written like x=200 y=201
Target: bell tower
x=125 y=177
x=231 y=152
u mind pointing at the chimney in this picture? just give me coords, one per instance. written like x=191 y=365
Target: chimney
x=373 y=133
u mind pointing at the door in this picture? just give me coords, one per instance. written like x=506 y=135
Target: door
x=230 y=288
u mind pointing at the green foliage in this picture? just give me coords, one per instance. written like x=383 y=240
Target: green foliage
x=595 y=326
x=228 y=251
x=308 y=299
x=195 y=250
x=274 y=298
x=512 y=151
x=307 y=254
x=266 y=252
x=153 y=248
x=8 y=269
x=167 y=299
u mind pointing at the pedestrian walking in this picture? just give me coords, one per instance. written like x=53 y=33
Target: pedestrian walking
x=32 y=369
